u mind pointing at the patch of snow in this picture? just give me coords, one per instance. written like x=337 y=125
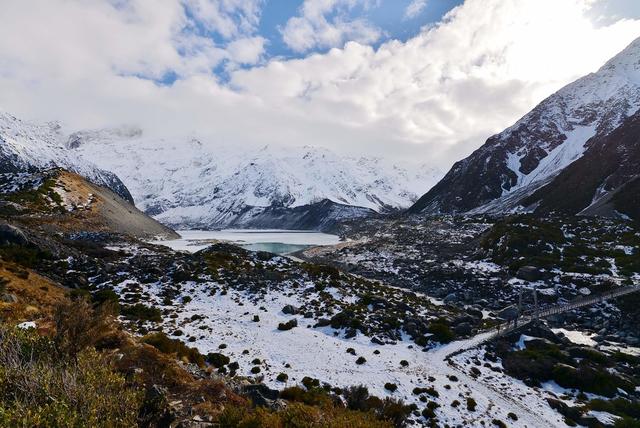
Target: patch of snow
x=556 y=160
x=604 y=417
x=577 y=337
x=28 y=325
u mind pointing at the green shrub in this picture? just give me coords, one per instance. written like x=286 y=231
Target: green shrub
x=471 y=404
x=616 y=406
x=106 y=296
x=23 y=255
x=312 y=397
x=627 y=423
x=392 y=387
x=38 y=389
x=441 y=332
x=310 y=383
x=589 y=379
x=142 y=313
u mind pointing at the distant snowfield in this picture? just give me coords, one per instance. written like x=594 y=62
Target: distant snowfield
x=263 y=239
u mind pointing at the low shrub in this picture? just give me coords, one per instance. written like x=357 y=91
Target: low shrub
x=589 y=379
x=79 y=326
x=471 y=404
x=392 y=387
x=310 y=383
x=299 y=415
x=441 y=332
x=164 y=344
x=39 y=389
x=288 y=325
x=142 y=313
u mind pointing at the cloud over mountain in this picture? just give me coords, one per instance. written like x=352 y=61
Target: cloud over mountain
x=436 y=96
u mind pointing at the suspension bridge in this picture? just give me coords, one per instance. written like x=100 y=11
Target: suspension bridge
x=524 y=318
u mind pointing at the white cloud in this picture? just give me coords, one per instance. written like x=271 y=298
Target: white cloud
x=248 y=50
x=326 y=24
x=414 y=8
x=230 y=18
x=434 y=98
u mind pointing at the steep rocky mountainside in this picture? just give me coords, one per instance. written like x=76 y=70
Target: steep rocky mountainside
x=31 y=147
x=513 y=164
x=186 y=182
x=603 y=182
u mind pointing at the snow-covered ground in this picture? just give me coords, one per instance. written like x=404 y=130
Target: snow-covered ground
x=218 y=318
x=318 y=353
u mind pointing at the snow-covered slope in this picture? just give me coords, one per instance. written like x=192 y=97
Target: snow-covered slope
x=189 y=183
x=26 y=146
x=544 y=142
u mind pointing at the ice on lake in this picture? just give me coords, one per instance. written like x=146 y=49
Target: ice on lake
x=271 y=240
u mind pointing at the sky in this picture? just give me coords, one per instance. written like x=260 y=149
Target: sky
x=423 y=80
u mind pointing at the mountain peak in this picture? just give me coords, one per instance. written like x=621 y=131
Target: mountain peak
x=627 y=60
x=546 y=140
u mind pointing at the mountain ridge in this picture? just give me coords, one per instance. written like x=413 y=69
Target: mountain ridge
x=189 y=183
x=534 y=150
x=29 y=147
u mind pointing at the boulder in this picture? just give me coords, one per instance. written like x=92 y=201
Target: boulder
x=12 y=235
x=261 y=395
x=290 y=310
x=463 y=329
x=376 y=341
x=529 y=273
x=350 y=333
x=451 y=298
x=475 y=312
x=9 y=298
x=542 y=331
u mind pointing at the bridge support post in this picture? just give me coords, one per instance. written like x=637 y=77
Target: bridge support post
x=520 y=301
x=535 y=304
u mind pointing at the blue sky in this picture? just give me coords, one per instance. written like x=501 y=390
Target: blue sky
x=388 y=15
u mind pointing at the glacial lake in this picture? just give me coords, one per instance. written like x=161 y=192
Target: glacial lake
x=271 y=240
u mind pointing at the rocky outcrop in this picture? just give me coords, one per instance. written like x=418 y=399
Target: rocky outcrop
x=604 y=182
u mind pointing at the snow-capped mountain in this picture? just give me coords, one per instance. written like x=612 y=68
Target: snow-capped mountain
x=186 y=182
x=513 y=164
x=26 y=146
x=605 y=181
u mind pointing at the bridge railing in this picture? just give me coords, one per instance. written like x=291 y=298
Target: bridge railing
x=529 y=316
